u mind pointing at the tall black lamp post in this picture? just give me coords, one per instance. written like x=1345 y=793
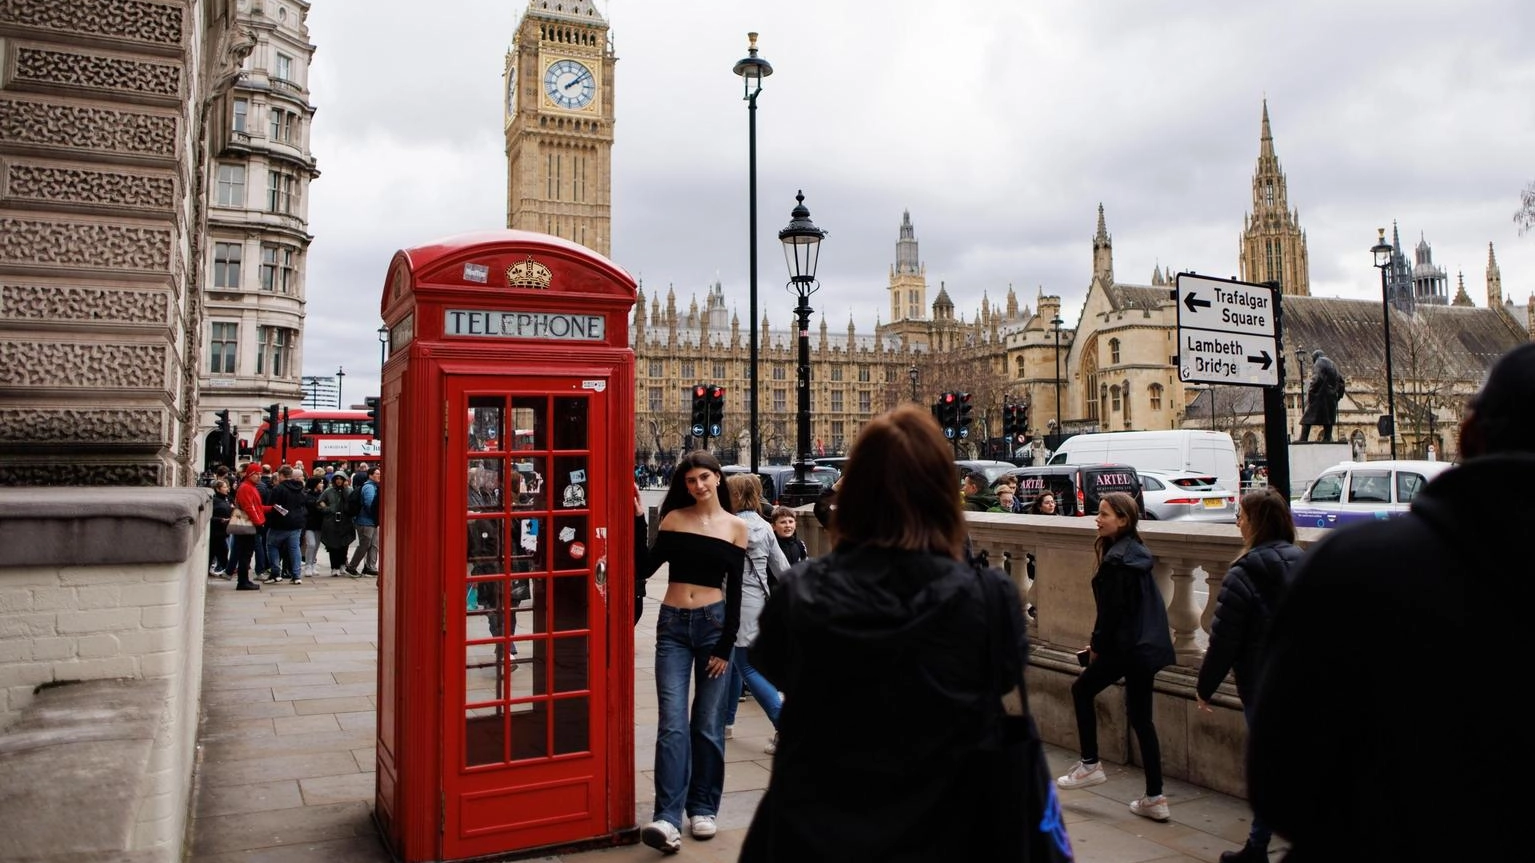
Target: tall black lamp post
x=340 y=376
x=1056 y=322
x=1383 y=253
x=915 y=376
x=801 y=250
x=752 y=70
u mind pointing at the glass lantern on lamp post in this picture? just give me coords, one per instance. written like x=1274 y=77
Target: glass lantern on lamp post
x=801 y=250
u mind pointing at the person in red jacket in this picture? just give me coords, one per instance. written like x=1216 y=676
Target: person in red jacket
x=248 y=499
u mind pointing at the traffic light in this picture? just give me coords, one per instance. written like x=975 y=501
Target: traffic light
x=273 y=420
x=1009 y=419
x=962 y=421
x=700 y=421
x=295 y=435
x=1022 y=430
x=948 y=414
x=372 y=403
x=222 y=421
x=716 y=409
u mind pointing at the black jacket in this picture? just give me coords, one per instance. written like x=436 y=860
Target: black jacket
x=288 y=494
x=1250 y=592
x=898 y=636
x=1384 y=726
x=1120 y=629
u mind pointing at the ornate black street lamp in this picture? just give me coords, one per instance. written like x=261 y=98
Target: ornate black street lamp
x=340 y=377
x=383 y=350
x=801 y=250
x=1383 y=254
x=752 y=70
x=915 y=376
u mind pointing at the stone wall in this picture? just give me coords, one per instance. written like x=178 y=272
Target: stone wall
x=1201 y=748
x=100 y=584
x=100 y=221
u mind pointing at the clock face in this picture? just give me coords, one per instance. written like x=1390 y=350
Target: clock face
x=570 y=84
x=511 y=90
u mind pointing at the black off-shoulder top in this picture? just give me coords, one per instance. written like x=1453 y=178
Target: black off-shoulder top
x=705 y=561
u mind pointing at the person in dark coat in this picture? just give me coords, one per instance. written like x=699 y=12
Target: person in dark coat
x=1397 y=659
x=1253 y=588
x=892 y=624
x=1130 y=640
x=218 y=533
x=336 y=531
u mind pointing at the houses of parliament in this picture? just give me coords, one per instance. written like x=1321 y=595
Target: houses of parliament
x=1112 y=369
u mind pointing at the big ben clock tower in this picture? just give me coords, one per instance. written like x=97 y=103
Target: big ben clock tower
x=559 y=124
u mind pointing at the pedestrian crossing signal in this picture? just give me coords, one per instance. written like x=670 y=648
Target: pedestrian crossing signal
x=700 y=415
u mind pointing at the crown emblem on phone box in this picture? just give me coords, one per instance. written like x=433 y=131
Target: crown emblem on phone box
x=528 y=274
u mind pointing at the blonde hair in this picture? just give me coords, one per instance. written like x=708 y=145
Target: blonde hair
x=745 y=491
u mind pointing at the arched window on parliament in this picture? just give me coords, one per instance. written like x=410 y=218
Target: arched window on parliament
x=1154 y=396
x=1091 y=396
x=1018 y=361
x=1114 y=403
x=1113 y=352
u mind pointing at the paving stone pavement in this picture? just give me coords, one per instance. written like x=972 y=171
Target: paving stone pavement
x=285 y=773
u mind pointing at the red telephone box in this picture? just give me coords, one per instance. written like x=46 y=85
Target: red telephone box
x=506 y=646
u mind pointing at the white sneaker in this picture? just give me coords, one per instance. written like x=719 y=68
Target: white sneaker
x=1154 y=808
x=702 y=826
x=730 y=732
x=1082 y=775
x=772 y=746
x=662 y=836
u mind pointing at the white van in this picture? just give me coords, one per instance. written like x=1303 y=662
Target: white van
x=1206 y=452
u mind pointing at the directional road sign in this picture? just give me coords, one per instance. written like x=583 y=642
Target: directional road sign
x=1226 y=332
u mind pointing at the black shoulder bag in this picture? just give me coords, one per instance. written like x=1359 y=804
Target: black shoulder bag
x=1015 y=758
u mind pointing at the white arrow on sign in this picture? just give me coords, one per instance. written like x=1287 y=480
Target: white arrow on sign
x=1227 y=307
x=1227 y=358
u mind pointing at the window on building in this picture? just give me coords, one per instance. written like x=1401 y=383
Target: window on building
x=269 y=268
x=865 y=402
x=283 y=68
x=226 y=265
x=780 y=400
x=656 y=399
x=1113 y=351
x=282 y=193
x=657 y=369
x=285 y=126
x=836 y=372
x=779 y=372
x=223 y=347
x=913 y=307
x=717 y=368
x=274 y=346
x=836 y=401
x=838 y=434
x=1018 y=366
x=689 y=372
x=287 y=271
x=1114 y=398
x=242 y=109
x=890 y=374
x=1154 y=394
x=231 y=185
x=863 y=374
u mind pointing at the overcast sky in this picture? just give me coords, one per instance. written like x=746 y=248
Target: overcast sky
x=1000 y=126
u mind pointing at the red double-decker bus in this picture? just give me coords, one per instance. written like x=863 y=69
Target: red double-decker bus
x=317 y=437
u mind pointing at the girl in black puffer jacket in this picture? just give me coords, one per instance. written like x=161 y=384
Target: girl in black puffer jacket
x=1250 y=592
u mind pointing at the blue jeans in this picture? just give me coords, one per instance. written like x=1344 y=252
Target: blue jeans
x=284 y=547
x=690 y=751
x=1259 y=834
x=765 y=692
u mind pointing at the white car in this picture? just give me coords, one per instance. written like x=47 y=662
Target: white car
x=1363 y=491
x=1187 y=496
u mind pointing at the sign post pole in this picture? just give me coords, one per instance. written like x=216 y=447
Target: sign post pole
x=1276 y=426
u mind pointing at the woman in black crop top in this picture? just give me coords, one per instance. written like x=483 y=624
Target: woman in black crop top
x=704 y=547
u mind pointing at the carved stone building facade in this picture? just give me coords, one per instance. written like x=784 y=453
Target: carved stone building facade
x=255 y=271
x=103 y=112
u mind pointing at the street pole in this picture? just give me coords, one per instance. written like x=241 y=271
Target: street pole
x=752 y=70
x=1056 y=323
x=1276 y=422
x=914 y=374
x=1383 y=254
x=340 y=378
x=802 y=243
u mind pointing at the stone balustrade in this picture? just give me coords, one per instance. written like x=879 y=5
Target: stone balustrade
x=1191 y=560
